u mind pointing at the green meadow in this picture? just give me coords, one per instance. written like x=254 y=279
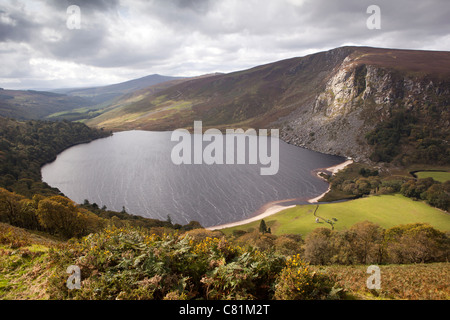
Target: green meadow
x=440 y=176
x=384 y=210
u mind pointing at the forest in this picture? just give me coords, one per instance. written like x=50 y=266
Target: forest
x=25 y=146
x=407 y=138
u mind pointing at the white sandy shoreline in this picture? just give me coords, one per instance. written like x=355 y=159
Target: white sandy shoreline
x=333 y=170
x=272 y=209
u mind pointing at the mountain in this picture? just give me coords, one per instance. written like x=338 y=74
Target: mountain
x=30 y=104
x=329 y=101
x=72 y=104
x=103 y=94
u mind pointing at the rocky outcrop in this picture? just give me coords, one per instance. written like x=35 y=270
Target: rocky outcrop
x=355 y=98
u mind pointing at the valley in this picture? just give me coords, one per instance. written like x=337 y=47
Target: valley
x=142 y=227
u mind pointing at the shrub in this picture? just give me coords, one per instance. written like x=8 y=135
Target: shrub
x=127 y=263
x=298 y=282
x=248 y=277
x=289 y=244
x=256 y=239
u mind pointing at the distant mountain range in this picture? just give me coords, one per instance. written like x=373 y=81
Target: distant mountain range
x=70 y=103
x=103 y=94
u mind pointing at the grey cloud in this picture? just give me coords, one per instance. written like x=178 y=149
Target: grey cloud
x=199 y=6
x=14 y=26
x=185 y=36
x=85 y=5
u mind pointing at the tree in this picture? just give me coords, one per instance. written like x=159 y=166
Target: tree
x=262 y=226
x=10 y=207
x=59 y=216
x=414 y=189
x=28 y=216
x=366 y=244
x=318 y=246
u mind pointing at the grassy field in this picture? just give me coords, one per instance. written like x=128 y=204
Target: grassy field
x=436 y=175
x=385 y=210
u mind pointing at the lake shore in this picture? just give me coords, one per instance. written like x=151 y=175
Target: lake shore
x=268 y=212
x=273 y=207
x=333 y=170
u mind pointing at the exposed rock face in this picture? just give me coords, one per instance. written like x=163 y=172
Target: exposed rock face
x=355 y=98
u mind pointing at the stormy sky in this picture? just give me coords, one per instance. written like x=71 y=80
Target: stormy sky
x=45 y=45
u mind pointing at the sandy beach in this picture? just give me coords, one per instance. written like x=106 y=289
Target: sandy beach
x=338 y=167
x=333 y=170
x=269 y=209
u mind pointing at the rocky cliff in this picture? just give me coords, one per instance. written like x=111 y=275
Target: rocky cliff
x=360 y=93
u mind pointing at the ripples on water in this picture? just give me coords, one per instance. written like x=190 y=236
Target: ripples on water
x=134 y=169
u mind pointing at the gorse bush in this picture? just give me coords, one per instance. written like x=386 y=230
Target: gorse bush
x=127 y=263
x=297 y=281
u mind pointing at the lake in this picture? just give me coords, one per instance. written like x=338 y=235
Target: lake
x=134 y=169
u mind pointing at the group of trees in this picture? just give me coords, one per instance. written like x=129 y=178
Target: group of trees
x=26 y=146
x=435 y=193
x=60 y=216
x=387 y=135
x=56 y=215
x=363 y=243
x=353 y=182
x=409 y=137
x=357 y=181
x=368 y=243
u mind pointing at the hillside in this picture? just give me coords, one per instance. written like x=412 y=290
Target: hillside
x=74 y=103
x=104 y=94
x=130 y=264
x=29 y=104
x=326 y=101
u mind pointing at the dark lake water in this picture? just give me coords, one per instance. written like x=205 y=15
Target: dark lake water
x=133 y=169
